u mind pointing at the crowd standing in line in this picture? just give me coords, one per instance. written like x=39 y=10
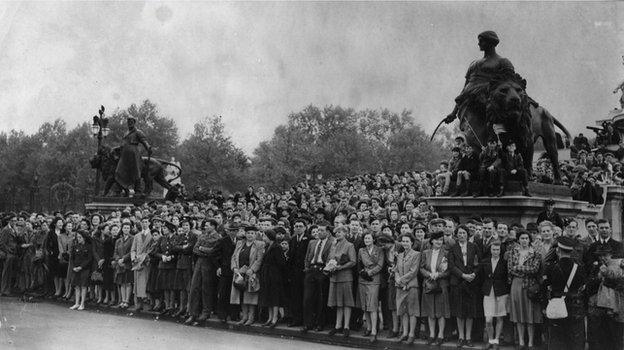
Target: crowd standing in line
x=346 y=255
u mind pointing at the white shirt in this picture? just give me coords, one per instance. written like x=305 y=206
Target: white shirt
x=319 y=260
x=464 y=251
x=434 y=259
x=494 y=263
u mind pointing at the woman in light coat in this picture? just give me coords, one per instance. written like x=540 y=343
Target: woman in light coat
x=246 y=261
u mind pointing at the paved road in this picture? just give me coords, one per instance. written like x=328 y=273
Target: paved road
x=34 y=326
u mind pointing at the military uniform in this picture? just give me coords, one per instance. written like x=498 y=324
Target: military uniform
x=567 y=333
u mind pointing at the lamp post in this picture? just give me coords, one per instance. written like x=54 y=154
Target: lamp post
x=99 y=130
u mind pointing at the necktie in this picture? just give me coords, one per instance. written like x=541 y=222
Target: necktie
x=316 y=252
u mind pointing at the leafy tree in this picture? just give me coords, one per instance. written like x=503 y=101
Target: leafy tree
x=210 y=159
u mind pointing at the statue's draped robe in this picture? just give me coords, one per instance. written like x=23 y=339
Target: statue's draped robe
x=478 y=78
x=128 y=171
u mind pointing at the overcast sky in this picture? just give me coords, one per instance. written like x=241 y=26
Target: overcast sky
x=254 y=63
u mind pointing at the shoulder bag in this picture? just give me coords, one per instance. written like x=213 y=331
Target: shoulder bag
x=556 y=308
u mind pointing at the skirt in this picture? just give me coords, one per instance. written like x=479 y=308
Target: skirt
x=152 y=279
x=435 y=304
x=340 y=294
x=495 y=306
x=124 y=277
x=108 y=276
x=408 y=302
x=166 y=279
x=82 y=278
x=463 y=302
x=368 y=297
x=182 y=280
x=521 y=308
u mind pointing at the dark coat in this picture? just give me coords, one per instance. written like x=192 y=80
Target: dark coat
x=225 y=249
x=298 y=250
x=512 y=162
x=456 y=262
x=82 y=255
x=497 y=278
x=556 y=276
x=165 y=247
x=469 y=163
x=272 y=271
x=185 y=255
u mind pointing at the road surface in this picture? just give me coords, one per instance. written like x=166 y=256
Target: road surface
x=34 y=326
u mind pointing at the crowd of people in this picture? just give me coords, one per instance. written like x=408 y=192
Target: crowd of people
x=364 y=254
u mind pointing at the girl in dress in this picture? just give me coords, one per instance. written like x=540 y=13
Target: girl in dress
x=524 y=268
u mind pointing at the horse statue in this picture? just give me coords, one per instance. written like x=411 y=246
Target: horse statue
x=509 y=107
x=153 y=169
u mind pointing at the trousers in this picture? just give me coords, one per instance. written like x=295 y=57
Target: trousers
x=566 y=334
x=203 y=287
x=315 y=290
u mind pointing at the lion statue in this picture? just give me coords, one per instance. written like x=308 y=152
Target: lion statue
x=515 y=116
x=106 y=160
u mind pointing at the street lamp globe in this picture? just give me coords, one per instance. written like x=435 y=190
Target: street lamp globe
x=95 y=129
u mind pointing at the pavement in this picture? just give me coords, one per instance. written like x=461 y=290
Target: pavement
x=52 y=326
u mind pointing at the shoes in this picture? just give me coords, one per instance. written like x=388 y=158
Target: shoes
x=81 y=307
x=367 y=333
x=202 y=317
x=468 y=343
x=304 y=330
x=74 y=307
x=319 y=328
x=249 y=322
x=455 y=194
x=346 y=332
x=488 y=346
x=403 y=338
x=273 y=324
x=410 y=340
x=333 y=331
x=460 y=343
x=431 y=340
x=189 y=320
x=392 y=334
x=440 y=341
x=241 y=322
x=373 y=339
x=268 y=322
x=501 y=192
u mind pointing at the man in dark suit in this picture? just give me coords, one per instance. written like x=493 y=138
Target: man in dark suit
x=602 y=329
x=225 y=249
x=8 y=253
x=513 y=169
x=299 y=247
x=483 y=243
x=316 y=283
x=569 y=332
x=549 y=214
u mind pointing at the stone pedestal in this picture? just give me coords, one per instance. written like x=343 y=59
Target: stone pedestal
x=510 y=209
x=612 y=210
x=109 y=204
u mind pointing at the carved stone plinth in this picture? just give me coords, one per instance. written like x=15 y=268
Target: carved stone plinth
x=109 y=204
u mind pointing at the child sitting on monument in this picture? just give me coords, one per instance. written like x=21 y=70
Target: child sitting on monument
x=513 y=169
x=489 y=168
x=467 y=171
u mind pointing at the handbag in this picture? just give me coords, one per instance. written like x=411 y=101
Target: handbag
x=556 y=308
x=432 y=286
x=365 y=276
x=96 y=276
x=534 y=292
x=239 y=282
x=253 y=284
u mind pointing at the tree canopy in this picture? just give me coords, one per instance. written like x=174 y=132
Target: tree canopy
x=329 y=142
